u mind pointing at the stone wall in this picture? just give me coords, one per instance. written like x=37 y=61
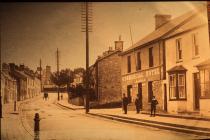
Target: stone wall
x=109 y=78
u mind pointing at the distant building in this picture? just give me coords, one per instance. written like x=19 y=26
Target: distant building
x=106 y=74
x=8 y=87
x=78 y=79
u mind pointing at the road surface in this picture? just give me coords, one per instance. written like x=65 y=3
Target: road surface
x=58 y=123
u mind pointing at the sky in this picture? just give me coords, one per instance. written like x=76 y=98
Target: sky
x=34 y=31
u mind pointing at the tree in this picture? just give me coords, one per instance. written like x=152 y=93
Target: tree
x=65 y=77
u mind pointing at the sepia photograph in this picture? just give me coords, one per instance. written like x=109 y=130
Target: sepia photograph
x=105 y=70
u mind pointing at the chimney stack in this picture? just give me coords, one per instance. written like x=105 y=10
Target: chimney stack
x=119 y=44
x=161 y=20
x=22 y=67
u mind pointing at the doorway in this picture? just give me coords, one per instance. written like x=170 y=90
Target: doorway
x=197 y=91
x=129 y=91
x=140 y=93
x=150 y=91
x=165 y=98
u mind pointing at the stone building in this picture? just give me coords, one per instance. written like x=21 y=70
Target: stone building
x=8 y=87
x=187 y=47
x=107 y=75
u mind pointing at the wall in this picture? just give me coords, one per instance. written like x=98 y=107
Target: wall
x=109 y=78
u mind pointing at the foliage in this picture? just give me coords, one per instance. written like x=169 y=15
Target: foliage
x=65 y=77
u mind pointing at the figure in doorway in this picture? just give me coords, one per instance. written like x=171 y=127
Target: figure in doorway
x=154 y=103
x=125 y=103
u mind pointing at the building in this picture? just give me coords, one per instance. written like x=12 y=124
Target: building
x=106 y=75
x=78 y=79
x=143 y=66
x=188 y=46
x=8 y=87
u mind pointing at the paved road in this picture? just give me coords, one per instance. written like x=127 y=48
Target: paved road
x=63 y=124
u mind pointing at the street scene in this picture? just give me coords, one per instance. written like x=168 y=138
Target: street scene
x=105 y=70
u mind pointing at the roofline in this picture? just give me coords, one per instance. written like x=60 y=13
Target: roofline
x=116 y=51
x=155 y=40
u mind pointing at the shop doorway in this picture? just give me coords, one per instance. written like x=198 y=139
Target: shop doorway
x=129 y=91
x=150 y=91
x=140 y=93
x=197 y=91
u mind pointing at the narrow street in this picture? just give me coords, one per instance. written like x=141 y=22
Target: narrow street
x=58 y=123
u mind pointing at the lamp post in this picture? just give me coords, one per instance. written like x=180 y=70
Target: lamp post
x=15 y=97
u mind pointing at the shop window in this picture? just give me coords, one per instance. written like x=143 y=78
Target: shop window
x=205 y=83
x=177 y=86
x=138 y=67
x=178 y=50
x=129 y=63
x=195 y=46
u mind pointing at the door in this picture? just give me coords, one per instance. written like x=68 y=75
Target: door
x=165 y=98
x=140 y=93
x=197 y=90
x=150 y=91
x=129 y=91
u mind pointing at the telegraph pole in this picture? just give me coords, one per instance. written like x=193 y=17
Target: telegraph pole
x=40 y=66
x=58 y=74
x=87 y=27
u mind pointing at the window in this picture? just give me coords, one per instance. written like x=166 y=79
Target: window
x=177 y=83
x=129 y=63
x=195 y=47
x=181 y=86
x=172 y=86
x=138 y=67
x=178 y=50
x=205 y=83
x=150 y=57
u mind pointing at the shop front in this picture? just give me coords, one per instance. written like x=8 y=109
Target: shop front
x=145 y=84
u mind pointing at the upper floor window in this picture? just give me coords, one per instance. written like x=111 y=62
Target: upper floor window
x=138 y=67
x=129 y=63
x=178 y=50
x=195 y=47
x=151 y=57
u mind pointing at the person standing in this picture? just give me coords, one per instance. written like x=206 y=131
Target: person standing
x=154 y=102
x=138 y=104
x=125 y=103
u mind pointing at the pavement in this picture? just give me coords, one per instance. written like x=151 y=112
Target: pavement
x=179 y=123
x=13 y=124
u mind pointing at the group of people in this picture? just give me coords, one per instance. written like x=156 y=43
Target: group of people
x=138 y=104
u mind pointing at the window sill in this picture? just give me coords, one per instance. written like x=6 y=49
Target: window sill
x=196 y=57
x=179 y=61
x=178 y=99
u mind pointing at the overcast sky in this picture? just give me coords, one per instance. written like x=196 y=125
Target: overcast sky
x=30 y=31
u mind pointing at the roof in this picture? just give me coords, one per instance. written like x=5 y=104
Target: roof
x=6 y=75
x=103 y=57
x=177 y=68
x=19 y=74
x=204 y=63
x=165 y=29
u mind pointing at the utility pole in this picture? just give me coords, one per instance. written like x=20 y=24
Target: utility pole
x=58 y=74
x=40 y=66
x=87 y=27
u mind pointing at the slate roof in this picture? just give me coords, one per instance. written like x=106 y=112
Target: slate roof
x=169 y=27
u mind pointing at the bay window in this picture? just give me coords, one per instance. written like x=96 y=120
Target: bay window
x=205 y=83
